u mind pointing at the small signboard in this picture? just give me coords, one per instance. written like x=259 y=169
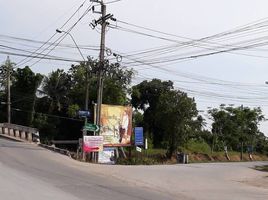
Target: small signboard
x=138 y=149
x=83 y=113
x=139 y=141
x=91 y=127
x=107 y=156
x=93 y=143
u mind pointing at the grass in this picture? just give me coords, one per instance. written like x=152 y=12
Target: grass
x=197 y=147
x=199 y=151
x=262 y=168
x=146 y=157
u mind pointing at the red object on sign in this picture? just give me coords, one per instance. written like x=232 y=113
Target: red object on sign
x=90 y=149
x=93 y=143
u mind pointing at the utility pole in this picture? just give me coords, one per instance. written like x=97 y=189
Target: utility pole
x=101 y=65
x=87 y=87
x=103 y=22
x=86 y=109
x=8 y=72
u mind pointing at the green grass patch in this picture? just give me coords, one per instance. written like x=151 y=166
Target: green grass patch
x=262 y=168
x=194 y=146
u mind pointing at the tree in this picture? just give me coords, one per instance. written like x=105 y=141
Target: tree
x=8 y=66
x=6 y=76
x=56 y=87
x=23 y=95
x=261 y=143
x=116 y=82
x=81 y=79
x=176 y=113
x=170 y=116
x=236 y=126
x=146 y=96
x=63 y=94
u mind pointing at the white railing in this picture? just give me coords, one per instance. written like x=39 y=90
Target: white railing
x=21 y=132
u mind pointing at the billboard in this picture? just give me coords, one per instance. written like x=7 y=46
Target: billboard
x=92 y=143
x=116 y=125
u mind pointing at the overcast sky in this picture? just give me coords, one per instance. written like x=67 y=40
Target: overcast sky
x=230 y=78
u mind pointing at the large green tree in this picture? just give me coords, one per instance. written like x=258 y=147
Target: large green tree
x=146 y=96
x=23 y=95
x=170 y=116
x=116 y=82
x=177 y=115
x=235 y=127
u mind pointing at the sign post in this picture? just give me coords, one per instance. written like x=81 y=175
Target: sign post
x=84 y=114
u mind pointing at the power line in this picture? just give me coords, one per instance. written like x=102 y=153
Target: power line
x=58 y=41
x=110 y=2
x=48 y=115
x=210 y=45
x=24 y=61
x=45 y=57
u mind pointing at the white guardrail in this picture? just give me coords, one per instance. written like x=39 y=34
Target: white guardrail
x=20 y=132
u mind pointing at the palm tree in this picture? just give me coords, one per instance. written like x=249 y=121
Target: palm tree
x=56 y=86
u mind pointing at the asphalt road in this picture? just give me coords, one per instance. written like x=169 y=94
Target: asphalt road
x=28 y=172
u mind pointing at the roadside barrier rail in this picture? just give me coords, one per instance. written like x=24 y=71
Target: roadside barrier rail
x=20 y=132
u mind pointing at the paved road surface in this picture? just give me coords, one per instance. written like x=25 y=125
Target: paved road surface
x=28 y=172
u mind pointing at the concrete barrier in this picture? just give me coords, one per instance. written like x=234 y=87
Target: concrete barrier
x=20 y=132
x=56 y=149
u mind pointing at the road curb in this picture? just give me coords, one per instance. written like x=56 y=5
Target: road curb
x=56 y=149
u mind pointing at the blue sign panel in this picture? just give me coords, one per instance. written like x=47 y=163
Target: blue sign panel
x=83 y=113
x=139 y=136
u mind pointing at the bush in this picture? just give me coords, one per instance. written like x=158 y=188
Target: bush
x=137 y=161
x=198 y=146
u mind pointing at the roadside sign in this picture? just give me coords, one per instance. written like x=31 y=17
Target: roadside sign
x=139 y=136
x=91 y=127
x=92 y=143
x=138 y=149
x=83 y=113
x=107 y=156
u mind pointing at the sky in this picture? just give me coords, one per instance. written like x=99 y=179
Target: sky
x=227 y=77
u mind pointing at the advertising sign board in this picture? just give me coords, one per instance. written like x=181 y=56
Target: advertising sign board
x=139 y=136
x=107 y=156
x=92 y=143
x=116 y=125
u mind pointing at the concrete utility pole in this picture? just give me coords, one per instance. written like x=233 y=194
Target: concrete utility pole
x=86 y=108
x=87 y=88
x=8 y=72
x=101 y=67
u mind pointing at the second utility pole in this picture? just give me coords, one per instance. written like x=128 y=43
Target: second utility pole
x=101 y=64
x=8 y=72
